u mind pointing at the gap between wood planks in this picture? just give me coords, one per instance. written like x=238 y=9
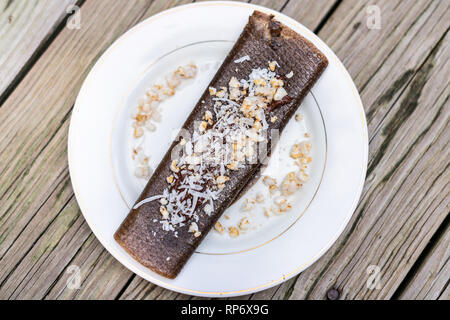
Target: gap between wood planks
x=411 y=76
x=422 y=258
x=66 y=118
x=36 y=55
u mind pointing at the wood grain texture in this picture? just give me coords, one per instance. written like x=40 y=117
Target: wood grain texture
x=383 y=61
x=402 y=72
x=403 y=205
x=405 y=196
x=24 y=28
x=34 y=149
x=431 y=280
x=357 y=46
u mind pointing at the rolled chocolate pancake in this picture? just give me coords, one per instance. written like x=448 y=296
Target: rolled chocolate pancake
x=173 y=214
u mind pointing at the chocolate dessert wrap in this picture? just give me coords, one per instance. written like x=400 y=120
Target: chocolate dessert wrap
x=260 y=85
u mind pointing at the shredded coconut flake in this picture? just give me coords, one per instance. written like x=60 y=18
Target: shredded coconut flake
x=150 y=199
x=242 y=59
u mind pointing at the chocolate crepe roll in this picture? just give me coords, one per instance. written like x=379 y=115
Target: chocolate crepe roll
x=257 y=89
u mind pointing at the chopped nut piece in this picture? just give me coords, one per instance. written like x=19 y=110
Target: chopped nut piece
x=222 y=179
x=280 y=94
x=208 y=115
x=134 y=113
x=147 y=107
x=193 y=227
x=156 y=116
x=174 y=167
x=299 y=150
x=164 y=212
x=143 y=172
x=260 y=82
x=306 y=160
x=280 y=200
x=150 y=126
x=273 y=188
x=234 y=94
x=289 y=75
x=197 y=234
x=138 y=132
x=298 y=117
x=244 y=224
x=247 y=205
x=173 y=81
x=273 y=119
x=143 y=160
x=222 y=92
x=259 y=197
x=302 y=176
x=168 y=92
x=212 y=91
x=284 y=207
x=202 y=127
x=219 y=227
x=232 y=166
x=308 y=146
x=272 y=65
x=141 y=118
x=234 y=83
x=187 y=72
x=234 y=232
x=276 y=83
x=290 y=184
x=296 y=152
x=268 y=181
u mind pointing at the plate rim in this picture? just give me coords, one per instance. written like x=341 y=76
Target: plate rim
x=282 y=17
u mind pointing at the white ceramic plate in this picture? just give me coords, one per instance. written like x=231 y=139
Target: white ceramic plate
x=100 y=142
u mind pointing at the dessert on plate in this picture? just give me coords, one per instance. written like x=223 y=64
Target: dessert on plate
x=223 y=143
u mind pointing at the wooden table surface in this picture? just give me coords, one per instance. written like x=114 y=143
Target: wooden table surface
x=399 y=233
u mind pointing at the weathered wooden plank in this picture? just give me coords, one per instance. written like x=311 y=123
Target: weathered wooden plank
x=24 y=27
x=430 y=280
x=446 y=294
x=30 y=166
x=377 y=57
x=407 y=199
x=33 y=112
x=96 y=266
x=309 y=13
x=55 y=193
x=378 y=93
